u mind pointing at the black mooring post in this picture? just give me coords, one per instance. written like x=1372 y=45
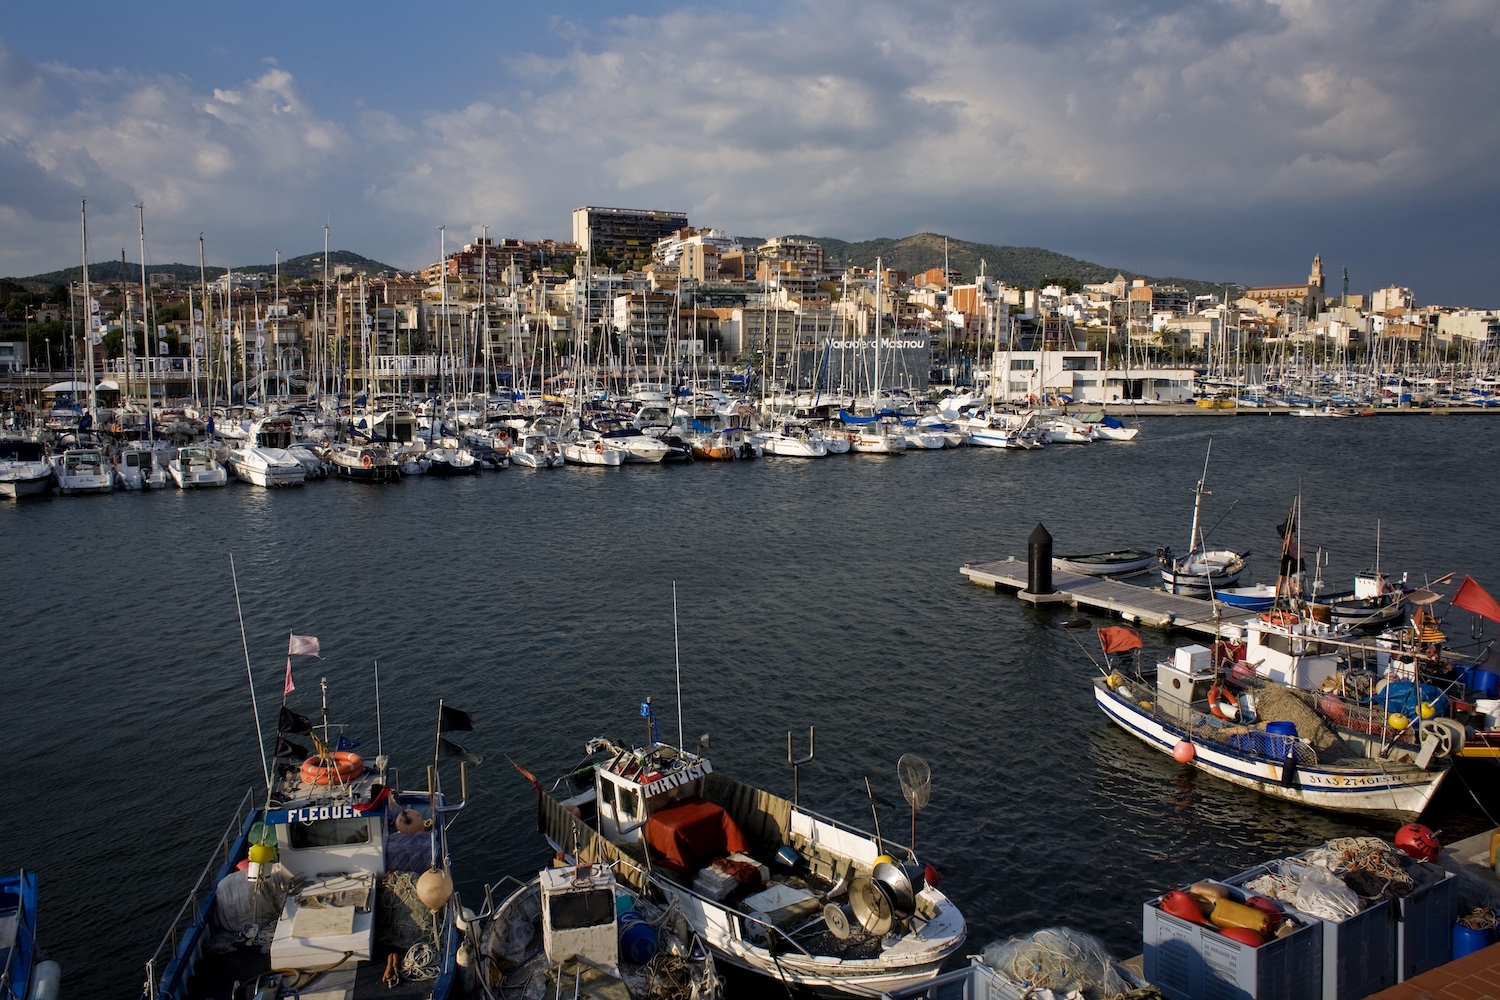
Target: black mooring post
x=1039 y=561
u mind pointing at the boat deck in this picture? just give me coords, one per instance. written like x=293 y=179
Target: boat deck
x=1136 y=604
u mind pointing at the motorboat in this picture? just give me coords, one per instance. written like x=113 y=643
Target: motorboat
x=25 y=469
x=935 y=423
x=1107 y=428
x=1120 y=562
x=261 y=457
x=1262 y=731
x=195 y=466
x=449 y=462
x=333 y=877
x=1063 y=429
x=725 y=445
x=769 y=885
x=136 y=468
x=537 y=451
x=592 y=451
x=365 y=463
x=1002 y=430
x=919 y=438
x=84 y=470
x=312 y=462
x=599 y=937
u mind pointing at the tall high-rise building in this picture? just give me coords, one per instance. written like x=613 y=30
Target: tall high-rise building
x=614 y=235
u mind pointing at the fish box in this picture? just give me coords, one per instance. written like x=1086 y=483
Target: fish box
x=1359 y=952
x=1424 y=934
x=1189 y=961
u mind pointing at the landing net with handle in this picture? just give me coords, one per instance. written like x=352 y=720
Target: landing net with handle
x=916 y=786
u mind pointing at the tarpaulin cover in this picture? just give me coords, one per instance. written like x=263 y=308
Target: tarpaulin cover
x=845 y=417
x=1119 y=639
x=692 y=833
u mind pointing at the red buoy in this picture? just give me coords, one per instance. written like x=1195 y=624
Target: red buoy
x=1184 y=752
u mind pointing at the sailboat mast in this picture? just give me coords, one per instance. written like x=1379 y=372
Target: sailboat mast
x=146 y=320
x=88 y=312
x=208 y=354
x=1198 y=492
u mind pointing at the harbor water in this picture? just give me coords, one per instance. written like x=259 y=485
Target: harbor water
x=809 y=593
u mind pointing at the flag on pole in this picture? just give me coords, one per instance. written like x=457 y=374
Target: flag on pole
x=297 y=645
x=291 y=722
x=447 y=748
x=451 y=719
x=1474 y=598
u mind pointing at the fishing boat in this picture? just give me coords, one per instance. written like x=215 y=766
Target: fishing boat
x=365 y=463
x=538 y=451
x=1249 y=600
x=1120 y=562
x=25 y=469
x=767 y=884
x=1373 y=604
x=1271 y=738
x=84 y=470
x=195 y=466
x=579 y=931
x=23 y=975
x=1202 y=571
x=261 y=458
x=339 y=884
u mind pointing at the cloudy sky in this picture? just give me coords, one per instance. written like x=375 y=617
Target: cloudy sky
x=1217 y=140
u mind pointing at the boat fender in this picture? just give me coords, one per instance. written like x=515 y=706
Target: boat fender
x=46 y=981
x=410 y=821
x=1417 y=841
x=1184 y=752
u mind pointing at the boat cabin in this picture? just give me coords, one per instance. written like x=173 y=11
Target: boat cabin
x=274 y=432
x=1285 y=648
x=635 y=785
x=83 y=462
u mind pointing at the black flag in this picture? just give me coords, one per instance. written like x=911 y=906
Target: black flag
x=286 y=748
x=291 y=722
x=451 y=720
x=447 y=748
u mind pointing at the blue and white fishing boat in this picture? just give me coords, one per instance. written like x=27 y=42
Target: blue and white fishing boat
x=23 y=974
x=338 y=883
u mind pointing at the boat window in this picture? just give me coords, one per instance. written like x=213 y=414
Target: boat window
x=330 y=833
x=1276 y=641
x=574 y=910
x=627 y=801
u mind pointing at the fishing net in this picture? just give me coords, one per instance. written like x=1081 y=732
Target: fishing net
x=1059 y=959
x=1275 y=704
x=403 y=919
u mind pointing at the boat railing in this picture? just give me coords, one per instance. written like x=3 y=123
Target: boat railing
x=20 y=934
x=167 y=984
x=884 y=843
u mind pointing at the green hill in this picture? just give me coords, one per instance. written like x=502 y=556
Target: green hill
x=1025 y=266
x=308 y=265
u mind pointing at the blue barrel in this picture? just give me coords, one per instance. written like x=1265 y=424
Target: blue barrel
x=1283 y=728
x=637 y=938
x=1466 y=940
x=1482 y=683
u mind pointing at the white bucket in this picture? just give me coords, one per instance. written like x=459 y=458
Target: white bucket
x=1489 y=708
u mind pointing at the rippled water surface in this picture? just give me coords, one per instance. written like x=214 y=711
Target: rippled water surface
x=819 y=593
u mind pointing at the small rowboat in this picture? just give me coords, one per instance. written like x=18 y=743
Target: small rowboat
x=1261 y=597
x=1124 y=562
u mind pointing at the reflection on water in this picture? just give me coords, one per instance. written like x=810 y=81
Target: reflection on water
x=810 y=593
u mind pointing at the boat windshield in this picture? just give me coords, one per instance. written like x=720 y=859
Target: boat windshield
x=330 y=833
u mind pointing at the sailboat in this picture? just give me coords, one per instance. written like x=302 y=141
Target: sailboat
x=1203 y=570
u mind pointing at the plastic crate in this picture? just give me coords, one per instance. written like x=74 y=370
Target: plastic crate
x=974 y=982
x=1359 y=952
x=1424 y=935
x=1188 y=961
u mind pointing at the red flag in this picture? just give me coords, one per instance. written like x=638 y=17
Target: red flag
x=536 y=785
x=1472 y=597
x=288 y=687
x=1119 y=639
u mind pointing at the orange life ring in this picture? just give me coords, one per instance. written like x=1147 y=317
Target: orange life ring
x=1215 y=693
x=1283 y=618
x=365 y=461
x=502 y=435
x=345 y=765
x=598 y=447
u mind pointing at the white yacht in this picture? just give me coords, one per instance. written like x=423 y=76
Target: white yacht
x=793 y=441
x=136 y=468
x=84 y=470
x=196 y=467
x=262 y=459
x=592 y=450
x=538 y=451
x=25 y=469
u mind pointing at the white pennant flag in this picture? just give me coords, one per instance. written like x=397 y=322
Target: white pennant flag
x=297 y=645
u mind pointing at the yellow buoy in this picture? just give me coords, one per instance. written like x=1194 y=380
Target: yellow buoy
x=1397 y=721
x=262 y=854
x=1426 y=710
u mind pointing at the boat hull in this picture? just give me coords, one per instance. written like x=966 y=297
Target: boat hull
x=1122 y=563
x=18 y=485
x=1397 y=793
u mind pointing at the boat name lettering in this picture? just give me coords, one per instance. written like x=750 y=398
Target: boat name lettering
x=692 y=773
x=313 y=814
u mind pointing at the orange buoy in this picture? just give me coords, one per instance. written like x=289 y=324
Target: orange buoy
x=1184 y=752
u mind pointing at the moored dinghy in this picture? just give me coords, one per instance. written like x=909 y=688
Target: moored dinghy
x=1120 y=562
x=768 y=885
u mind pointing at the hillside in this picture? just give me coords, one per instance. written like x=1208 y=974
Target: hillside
x=1026 y=266
x=309 y=265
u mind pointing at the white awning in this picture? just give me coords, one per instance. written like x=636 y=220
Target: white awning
x=67 y=387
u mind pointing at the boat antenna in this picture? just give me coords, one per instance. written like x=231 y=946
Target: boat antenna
x=323 y=686
x=379 y=741
x=260 y=738
x=677 y=655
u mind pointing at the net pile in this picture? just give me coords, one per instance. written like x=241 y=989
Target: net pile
x=403 y=919
x=1058 y=959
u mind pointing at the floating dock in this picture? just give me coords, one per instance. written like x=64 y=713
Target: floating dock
x=1102 y=595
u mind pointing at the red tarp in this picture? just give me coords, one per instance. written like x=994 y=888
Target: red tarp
x=1119 y=639
x=692 y=833
x=1472 y=597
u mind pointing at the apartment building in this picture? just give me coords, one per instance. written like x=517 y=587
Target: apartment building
x=623 y=235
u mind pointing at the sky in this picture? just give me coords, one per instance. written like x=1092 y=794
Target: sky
x=1223 y=141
